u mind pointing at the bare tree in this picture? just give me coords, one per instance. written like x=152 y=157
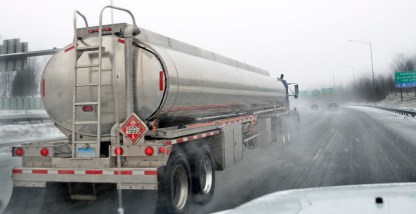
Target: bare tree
x=26 y=81
x=402 y=62
x=6 y=78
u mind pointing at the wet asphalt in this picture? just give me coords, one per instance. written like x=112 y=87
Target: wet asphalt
x=352 y=145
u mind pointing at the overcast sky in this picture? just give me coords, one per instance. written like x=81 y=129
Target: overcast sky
x=304 y=39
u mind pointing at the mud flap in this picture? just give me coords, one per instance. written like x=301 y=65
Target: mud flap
x=26 y=199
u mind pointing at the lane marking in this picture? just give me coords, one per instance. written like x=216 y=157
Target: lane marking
x=316 y=156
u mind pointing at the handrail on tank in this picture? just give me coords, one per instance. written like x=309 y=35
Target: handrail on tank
x=116 y=8
x=75 y=23
x=129 y=71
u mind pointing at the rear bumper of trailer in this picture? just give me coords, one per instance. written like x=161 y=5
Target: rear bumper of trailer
x=125 y=178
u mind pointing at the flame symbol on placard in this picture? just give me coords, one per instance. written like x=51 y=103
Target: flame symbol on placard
x=133 y=123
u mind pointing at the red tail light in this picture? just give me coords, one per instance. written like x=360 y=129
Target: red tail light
x=148 y=151
x=91 y=31
x=118 y=151
x=107 y=29
x=97 y=30
x=161 y=149
x=18 y=152
x=44 y=152
x=87 y=108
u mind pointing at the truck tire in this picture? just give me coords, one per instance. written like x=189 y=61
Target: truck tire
x=203 y=179
x=175 y=185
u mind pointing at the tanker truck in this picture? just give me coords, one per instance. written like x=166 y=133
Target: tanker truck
x=142 y=112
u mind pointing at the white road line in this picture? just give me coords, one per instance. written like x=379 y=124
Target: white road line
x=316 y=156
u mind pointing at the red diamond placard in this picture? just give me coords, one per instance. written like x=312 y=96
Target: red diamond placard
x=133 y=128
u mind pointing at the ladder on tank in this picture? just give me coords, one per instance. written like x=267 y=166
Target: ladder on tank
x=76 y=103
x=79 y=51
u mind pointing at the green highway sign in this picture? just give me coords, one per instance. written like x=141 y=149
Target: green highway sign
x=303 y=93
x=405 y=79
x=316 y=93
x=327 y=91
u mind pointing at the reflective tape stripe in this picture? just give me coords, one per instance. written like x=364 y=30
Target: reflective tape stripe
x=66 y=172
x=83 y=172
x=161 y=80
x=138 y=172
x=39 y=171
x=52 y=172
x=69 y=48
x=17 y=171
x=150 y=172
x=192 y=137
x=93 y=172
x=123 y=172
x=79 y=172
x=107 y=172
x=43 y=87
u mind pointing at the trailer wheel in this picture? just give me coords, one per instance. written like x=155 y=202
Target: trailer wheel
x=175 y=185
x=203 y=179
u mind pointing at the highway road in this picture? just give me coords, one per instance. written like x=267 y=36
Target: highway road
x=352 y=145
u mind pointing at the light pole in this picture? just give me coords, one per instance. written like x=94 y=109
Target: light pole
x=353 y=71
x=333 y=90
x=372 y=66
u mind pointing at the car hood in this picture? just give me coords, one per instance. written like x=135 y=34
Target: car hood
x=396 y=198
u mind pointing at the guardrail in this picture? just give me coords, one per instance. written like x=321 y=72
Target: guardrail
x=404 y=112
x=20 y=103
x=25 y=117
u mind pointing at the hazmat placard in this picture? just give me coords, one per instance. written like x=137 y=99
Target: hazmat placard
x=133 y=128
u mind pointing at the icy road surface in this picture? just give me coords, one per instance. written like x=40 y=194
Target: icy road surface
x=352 y=145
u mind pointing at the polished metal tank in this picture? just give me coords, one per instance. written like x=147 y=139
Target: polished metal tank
x=175 y=83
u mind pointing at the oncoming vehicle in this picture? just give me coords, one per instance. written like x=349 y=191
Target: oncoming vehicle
x=139 y=115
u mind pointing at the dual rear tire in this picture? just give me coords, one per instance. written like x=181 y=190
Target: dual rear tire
x=203 y=179
x=175 y=185
x=185 y=180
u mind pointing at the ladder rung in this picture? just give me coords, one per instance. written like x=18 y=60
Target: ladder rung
x=84 y=122
x=88 y=84
x=86 y=103
x=84 y=142
x=90 y=48
x=88 y=66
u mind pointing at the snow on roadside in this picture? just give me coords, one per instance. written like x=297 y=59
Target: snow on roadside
x=28 y=131
x=22 y=112
x=384 y=114
x=394 y=101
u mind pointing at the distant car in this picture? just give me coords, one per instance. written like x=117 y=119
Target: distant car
x=314 y=107
x=333 y=106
